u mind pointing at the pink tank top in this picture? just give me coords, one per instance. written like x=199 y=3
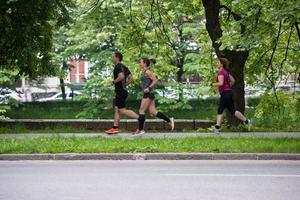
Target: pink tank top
x=226 y=84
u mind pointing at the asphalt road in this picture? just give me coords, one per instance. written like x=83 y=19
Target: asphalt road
x=145 y=180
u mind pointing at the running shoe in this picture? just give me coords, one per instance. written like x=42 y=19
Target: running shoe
x=112 y=131
x=216 y=131
x=138 y=132
x=172 y=123
x=249 y=124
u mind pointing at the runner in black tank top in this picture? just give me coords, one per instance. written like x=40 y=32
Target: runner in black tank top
x=148 y=82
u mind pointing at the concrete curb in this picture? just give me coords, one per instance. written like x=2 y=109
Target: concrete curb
x=127 y=124
x=153 y=156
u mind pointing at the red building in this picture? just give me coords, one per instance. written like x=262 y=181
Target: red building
x=79 y=71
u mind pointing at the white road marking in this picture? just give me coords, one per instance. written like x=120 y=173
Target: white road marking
x=237 y=175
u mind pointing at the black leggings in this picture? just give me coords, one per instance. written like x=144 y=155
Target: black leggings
x=226 y=101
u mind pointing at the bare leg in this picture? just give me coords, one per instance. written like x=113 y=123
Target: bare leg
x=219 y=120
x=117 y=117
x=240 y=116
x=129 y=113
x=144 y=106
x=153 y=111
x=152 y=108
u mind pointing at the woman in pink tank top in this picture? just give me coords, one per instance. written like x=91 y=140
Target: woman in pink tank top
x=223 y=82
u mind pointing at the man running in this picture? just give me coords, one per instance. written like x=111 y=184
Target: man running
x=224 y=81
x=122 y=77
x=148 y=82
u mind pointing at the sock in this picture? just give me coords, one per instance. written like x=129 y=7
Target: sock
x=142 y=120
x=247 y=121
x=217 y=127
x=115 y=126
x=162 y=116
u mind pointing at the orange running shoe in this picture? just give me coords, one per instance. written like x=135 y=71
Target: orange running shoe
x=112 y=131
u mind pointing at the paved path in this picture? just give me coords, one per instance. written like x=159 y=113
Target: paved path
x=148 y=180
x=158 y=135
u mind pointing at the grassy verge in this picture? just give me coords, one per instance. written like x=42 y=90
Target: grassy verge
x=69 y=129
x=116 y=145
x=52 y=129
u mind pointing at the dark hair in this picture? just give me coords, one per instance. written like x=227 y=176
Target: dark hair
x=119 y=55
x=225 y=62
x=148 y=61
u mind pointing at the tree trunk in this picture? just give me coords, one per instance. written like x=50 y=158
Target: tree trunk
x=179 y=79
x=179 y=74
x=62 y=87
x=65 y=67
x=236 y=58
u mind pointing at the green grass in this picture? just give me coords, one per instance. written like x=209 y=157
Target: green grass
x=53 y=129
x=201 y=109
x=58 y=144
x=46 y=110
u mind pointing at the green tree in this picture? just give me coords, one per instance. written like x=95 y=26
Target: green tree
x=26 y=31
x=238 y=28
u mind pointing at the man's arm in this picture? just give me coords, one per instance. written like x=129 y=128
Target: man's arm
x=120 y=77
x=129 y=79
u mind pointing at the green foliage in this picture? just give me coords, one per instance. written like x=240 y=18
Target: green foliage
x=278 y=111
x=46 y=110
x=252 y=102
x=270 y=34
x=201 y=109
x=26 y=34
x=35 y=39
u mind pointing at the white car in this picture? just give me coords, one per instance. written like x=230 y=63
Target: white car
x=6 y=94
x=58 y=96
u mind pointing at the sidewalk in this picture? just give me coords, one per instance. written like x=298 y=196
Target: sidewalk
x=158 y=135
x=153 y=156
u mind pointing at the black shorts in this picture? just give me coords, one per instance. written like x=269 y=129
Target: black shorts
x=149 y=95
x=226 y=101
x=120 y=100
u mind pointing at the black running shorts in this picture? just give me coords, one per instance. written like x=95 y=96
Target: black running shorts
x=149 y=95
x=226 y=101
x=120 y=100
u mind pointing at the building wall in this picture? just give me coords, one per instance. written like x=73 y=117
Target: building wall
x=78 y=71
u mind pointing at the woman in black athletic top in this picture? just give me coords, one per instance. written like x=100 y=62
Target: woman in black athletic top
x=148 y=82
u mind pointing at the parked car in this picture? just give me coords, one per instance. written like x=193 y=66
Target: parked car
x=251 y=92
x=58 y=96
x=6 y=94
x=289 y=89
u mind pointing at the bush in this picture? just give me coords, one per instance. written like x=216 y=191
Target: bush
x=252 y=102
x=278 y=111
x=46 y=110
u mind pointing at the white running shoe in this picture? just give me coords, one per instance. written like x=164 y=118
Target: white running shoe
x=249 y=124
x=216 y=131
x=138 y=132
x=172 y=123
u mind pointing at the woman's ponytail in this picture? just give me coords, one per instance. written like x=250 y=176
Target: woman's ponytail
x=225 y=62
x=149 y=61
